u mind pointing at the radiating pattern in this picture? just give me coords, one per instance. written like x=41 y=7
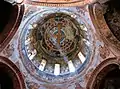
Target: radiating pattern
x=55 y=44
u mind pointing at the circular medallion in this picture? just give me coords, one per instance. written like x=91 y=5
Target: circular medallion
x=55 y=46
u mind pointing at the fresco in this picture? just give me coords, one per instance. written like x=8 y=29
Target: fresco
x=60 y=46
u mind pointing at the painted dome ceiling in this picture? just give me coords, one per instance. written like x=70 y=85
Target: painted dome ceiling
x=55 y=44
x=61 y=46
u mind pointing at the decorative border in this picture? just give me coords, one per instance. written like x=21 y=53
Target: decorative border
x=53 y=4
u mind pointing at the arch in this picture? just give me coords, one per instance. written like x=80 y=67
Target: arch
x=10 y=21
x=10 y=75
x=112 y=17
x=98 y=19
x=101 y=70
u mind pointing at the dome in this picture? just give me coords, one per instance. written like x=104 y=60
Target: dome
x=55 y=44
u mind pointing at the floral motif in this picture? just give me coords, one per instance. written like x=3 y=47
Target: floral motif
x=104 y=52
x=78 y=86
x=9 y=50
x=32 y=85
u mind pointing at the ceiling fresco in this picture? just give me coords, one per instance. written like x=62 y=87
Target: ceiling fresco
x=56 y=44
x=61 y=44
